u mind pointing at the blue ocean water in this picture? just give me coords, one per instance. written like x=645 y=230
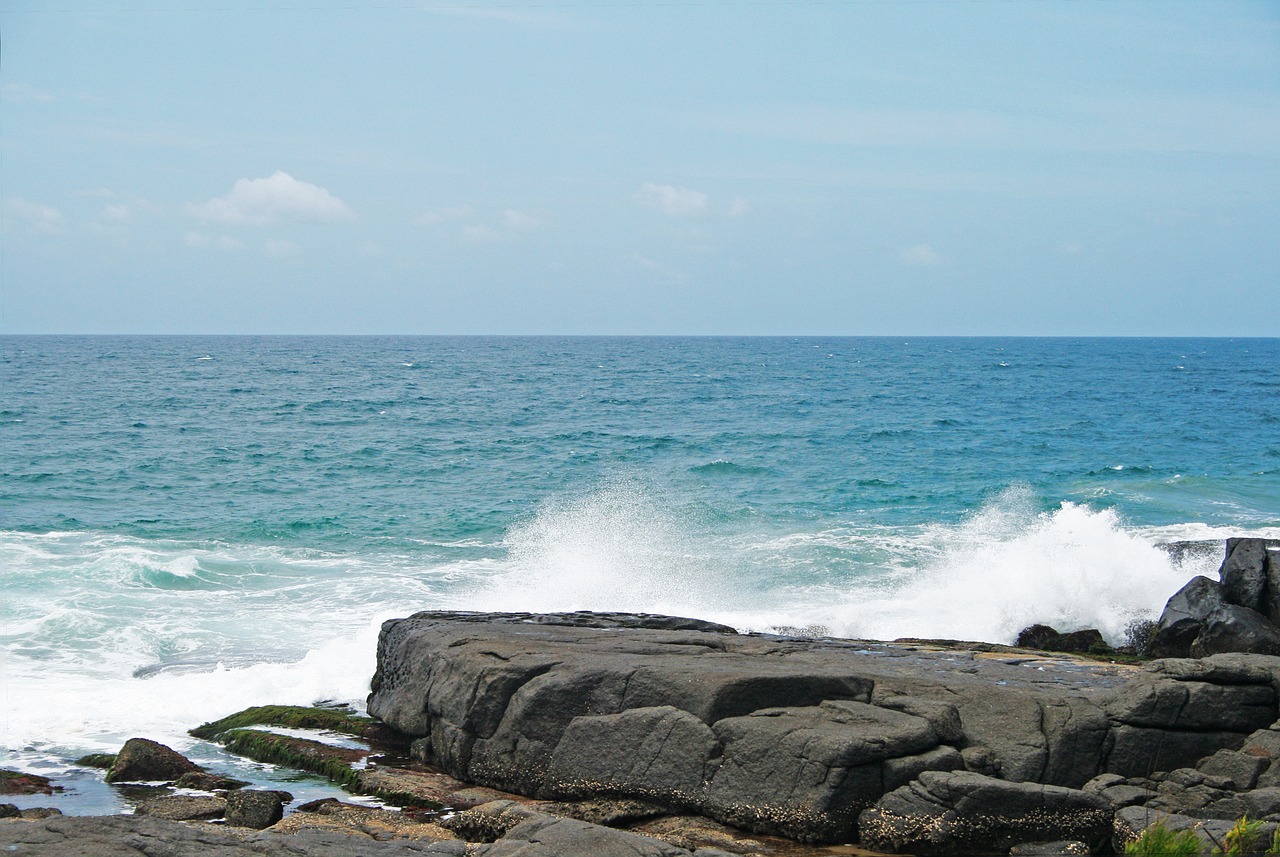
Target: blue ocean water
x=190 y=525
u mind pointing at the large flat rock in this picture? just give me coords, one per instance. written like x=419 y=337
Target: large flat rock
x=773 y=734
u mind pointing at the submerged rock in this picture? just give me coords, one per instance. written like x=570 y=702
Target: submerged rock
x=18 y=783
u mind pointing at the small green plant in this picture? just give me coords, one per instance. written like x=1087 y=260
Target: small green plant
x=1159 y=841
x=1245 y=837
x=1275 y=844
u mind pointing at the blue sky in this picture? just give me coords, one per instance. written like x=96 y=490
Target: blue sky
x=950 y=168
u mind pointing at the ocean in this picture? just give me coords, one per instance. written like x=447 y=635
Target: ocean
x=193 y=525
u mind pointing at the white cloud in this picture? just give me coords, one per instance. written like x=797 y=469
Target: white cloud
x=258 y=202
x=218 y=242
x=281 y=248
x=18 y=213
x=920 y=256
x=738 y=207
x=671 y=200
x=115 y=212
x=520 y=219
x=371 y=249
x=1068 y=248
x=444 y=215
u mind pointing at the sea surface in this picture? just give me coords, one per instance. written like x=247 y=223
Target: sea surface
x=192 y=525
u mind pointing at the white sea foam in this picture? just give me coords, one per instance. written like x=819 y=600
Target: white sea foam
x=1007 y=566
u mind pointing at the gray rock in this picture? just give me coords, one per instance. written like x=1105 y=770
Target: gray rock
x=964 y=813
x=38 y=812
x=1236 y=629
x=132 y=836
x=143 y=760
x=1102 y=782
x=806 y=772
x=1244 y=574
x=1262 y=802
x=1127 y=795
x=254 y=808
x=661 y=752
x=1239 y=770
x=784 y=735
x=1183 y=614
x=531 y=835
x=8 y=810
x=182 y=808
x=1132 y=820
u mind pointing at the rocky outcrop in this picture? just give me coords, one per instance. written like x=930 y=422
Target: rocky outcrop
x=769 y=734
x=802 y=737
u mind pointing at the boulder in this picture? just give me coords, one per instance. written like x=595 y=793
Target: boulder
x=182 y=808
x=201 y=781
x=1244 y=575
x=1182 y=617
x=254 y=808
x=143 y=760
x=1230 y=628
x=965 y=813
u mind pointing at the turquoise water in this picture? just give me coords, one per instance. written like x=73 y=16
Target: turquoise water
x=189 y=525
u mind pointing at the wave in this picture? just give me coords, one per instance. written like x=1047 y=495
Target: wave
x=1008 y=565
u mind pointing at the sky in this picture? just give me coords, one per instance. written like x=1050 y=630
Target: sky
x=865 y=167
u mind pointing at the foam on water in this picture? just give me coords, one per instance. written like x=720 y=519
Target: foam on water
x=616 y=548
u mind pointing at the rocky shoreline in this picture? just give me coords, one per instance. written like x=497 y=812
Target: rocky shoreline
x=602 y=734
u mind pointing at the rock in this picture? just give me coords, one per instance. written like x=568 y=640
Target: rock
x=254 y=808
x=547 y=836
x=1049 y=639
x=8 y=810
x=1244 y=574
x=39 y=812
x=1239 y=770
x=201 y=781
x=142 y=760
x=604 y=811
x=97 y=760
x=131 y=835
x=1230 y=628
x=964 y=813
x=691 y=720
x=18 y=783
x=1036 y=637
x=1131 y=821
x=1180 y=622
x=182 y=808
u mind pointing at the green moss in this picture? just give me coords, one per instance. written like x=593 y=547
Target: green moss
x=97 y=760
x=291 y=717
x=299 y=753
